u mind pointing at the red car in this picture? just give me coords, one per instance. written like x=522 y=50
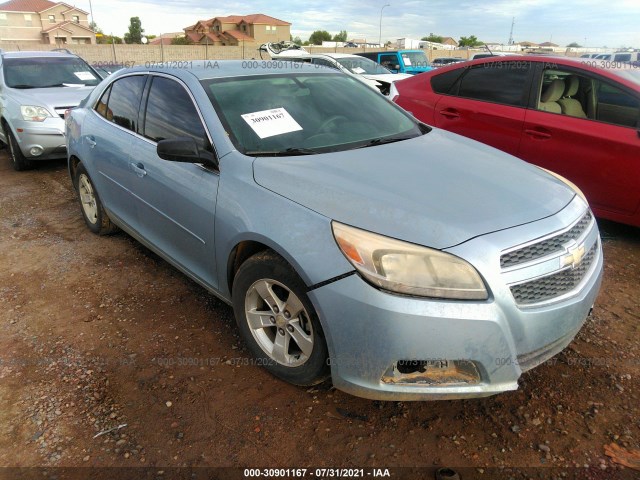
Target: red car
x=579 y=118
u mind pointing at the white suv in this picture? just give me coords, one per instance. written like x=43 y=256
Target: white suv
x=36 y=88
x=364 y=69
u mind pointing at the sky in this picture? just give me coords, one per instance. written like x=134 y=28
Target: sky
x=594 y=23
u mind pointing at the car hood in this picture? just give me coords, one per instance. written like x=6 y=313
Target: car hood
x=51 y=97
x=386 y=77
x=437 y=190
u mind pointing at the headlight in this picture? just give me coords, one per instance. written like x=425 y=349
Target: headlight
x=32 y=113
x=406 y=268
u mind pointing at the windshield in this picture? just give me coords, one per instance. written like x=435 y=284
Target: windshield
x=415 y=59
x=361 y=65
x=301 y=114
x=46 y=72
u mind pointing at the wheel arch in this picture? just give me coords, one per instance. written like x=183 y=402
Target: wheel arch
x=245 y=249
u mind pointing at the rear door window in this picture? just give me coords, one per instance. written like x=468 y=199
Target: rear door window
x=498 y=82
x=124 y=101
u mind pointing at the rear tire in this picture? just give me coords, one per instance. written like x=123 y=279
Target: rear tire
x=20 y=163
x=90 y=205
x=278 y=321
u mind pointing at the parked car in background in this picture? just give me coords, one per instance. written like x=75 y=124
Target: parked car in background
x=36 y=88
x=562 y=114
x=442 y=61
x=401 y=61
x=350 y=238
x=364 y=69
x=626 y=57
x=107 y=68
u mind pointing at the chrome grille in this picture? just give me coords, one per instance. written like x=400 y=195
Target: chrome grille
x=554 y=285
x=546 y=247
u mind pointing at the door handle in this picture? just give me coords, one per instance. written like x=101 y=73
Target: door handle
x=540 y=134
x=138 y=168
x=91 y=141
x=449 y=113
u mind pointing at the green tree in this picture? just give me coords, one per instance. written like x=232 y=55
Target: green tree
x=319 y=36
x=134 y=35
x=432 y=38
x=470 y=41
x=340 y=37
x=107 y=39
x=181 y=41
x=574 y=45
x=297 y=40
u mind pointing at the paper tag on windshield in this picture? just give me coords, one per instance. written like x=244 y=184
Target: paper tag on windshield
x=84 y=76
x=268 y=123
x=358 y=70
x=407 y=61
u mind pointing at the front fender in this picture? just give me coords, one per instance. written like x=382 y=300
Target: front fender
x=246 y=211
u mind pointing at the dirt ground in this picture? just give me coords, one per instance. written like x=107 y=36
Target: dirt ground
x=97 y=333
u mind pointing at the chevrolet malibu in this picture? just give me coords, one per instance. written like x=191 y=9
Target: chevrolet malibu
x=352 y=241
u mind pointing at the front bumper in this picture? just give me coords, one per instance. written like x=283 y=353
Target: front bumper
x=369 y=331
x=41 y=141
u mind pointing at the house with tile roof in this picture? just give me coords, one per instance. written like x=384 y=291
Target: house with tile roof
x=239 y=29
x=42 y=21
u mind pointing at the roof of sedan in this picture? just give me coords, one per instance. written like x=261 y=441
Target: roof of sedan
x=36 y=53
x=205 y=69
x=550 y=61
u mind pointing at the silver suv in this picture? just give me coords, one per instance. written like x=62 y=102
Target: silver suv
x=36 y=88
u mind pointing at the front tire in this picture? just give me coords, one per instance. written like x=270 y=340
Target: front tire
x=277 y=320
x=19 y=161
x=92 y=210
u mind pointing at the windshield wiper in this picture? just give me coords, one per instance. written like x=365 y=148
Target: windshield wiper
x=289 y=152
x=384 y=140
x=22 y=86
x=63 y=85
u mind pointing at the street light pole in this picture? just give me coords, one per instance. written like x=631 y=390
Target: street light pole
x=380 y=37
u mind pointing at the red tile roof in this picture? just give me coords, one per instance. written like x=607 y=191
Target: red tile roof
x=194 y=37
x=161 y=41
x=238 y=35
x=250 y=19
x=61 y=26
x=27 y=5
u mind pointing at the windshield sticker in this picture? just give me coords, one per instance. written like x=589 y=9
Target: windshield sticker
x=268 y=123
x=84 y=76
x=407 y=61
x=358 y=70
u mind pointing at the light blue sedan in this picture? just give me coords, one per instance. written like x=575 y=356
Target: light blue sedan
x=353 y=241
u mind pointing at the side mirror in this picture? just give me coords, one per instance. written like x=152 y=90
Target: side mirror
x=185 y=150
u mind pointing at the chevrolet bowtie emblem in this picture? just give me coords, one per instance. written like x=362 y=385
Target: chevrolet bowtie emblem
x=573 y=257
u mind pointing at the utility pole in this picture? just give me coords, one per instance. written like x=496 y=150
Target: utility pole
x=380 y=37
x=93 y=20
x=513 y=22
